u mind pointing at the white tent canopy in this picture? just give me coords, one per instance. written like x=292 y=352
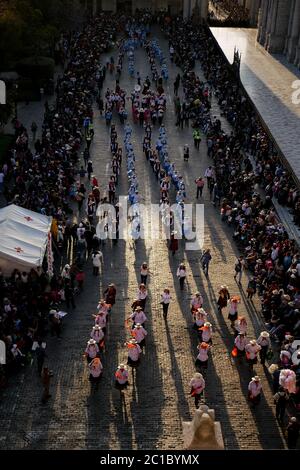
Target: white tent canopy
x=23 y=238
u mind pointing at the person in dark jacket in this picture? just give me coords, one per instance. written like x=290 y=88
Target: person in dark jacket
x=292 y=430
x=281 y=399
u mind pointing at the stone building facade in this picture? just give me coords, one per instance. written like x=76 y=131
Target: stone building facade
x=279 y=28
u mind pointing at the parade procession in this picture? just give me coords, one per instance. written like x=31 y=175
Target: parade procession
x=149 y=256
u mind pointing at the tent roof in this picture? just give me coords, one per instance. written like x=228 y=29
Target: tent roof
x=24 y=235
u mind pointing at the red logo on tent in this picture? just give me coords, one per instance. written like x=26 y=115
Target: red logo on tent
x=19 y=250
x=29 y=219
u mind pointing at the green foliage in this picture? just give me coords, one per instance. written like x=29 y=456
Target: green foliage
x=31 y=27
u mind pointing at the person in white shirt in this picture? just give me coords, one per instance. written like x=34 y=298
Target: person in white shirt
x=138 y=316
x=97 y=259
x=103 y=307
x=252 y=349
x=91 y=350
x=165 y=301
x=254 y=390
x=101 y=320
x=202 y=357
x=264 y=342
x=241 y=325
x=145 y=271
x=142 y=295
x=98 y=335
x=209 y=173
x=181 y=274
x=197 y=302
x=240 y=343
x=197 y=385
x=96 y=369
x=200 y=317
x=205 y=333
x=121 y=376
x=139 y=334
x=134 y=352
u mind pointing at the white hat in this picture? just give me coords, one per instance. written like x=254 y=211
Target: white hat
x=197 y=375
x=265 y=334
x=132 y=341
x=207 y=324
x=52 y=312
x=97 y=327
x=252 y=342
x=122 y=366
x=256 y=378
x=91 y=341
x=272 y=368
x=138 y=325
x=293 y=419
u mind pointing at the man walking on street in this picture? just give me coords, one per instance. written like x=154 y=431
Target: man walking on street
x=292 y=430
x=200 y=185
x=46 y=383
x=281 y=399
x=239 y=266
x=209 y=173
x=205 y=259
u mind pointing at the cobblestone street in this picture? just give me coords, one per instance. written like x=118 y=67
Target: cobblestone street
x=157 y=400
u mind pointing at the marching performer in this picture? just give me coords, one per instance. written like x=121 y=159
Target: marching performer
x=96 y=369
x=100 y=320
x=138 y=316
x=241 y=326
x=252 y=349
x=254 y=390
x=98 y=335
x=224 y=297
x=264 y=342
x=205 y=333
x=197 y=302
x=121 y=376
x=197 y=385
x=91 y=350
x=240 y=343
x=139 y=334
x=202 y=358
x=200 y=317
x=233 y=309
x=134 y=352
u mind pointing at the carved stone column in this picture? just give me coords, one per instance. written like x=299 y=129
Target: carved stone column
x=262 y=26
x=279 y=26
x=292 y=41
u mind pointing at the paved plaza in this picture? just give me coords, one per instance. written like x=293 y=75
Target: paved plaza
x=268 y=80
x=157 y=400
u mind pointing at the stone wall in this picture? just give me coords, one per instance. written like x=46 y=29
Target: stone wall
x=279 y=28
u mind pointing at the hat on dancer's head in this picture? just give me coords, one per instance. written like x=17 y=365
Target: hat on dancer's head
x=132 y=341
x=265 y=334
x=138 y=308
x=197 y=375
x=203 y=345
x=253 y=342
x=122 y=367
x=91 y=342
x=138 y=325
x=256 y=378
x=97 y=327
